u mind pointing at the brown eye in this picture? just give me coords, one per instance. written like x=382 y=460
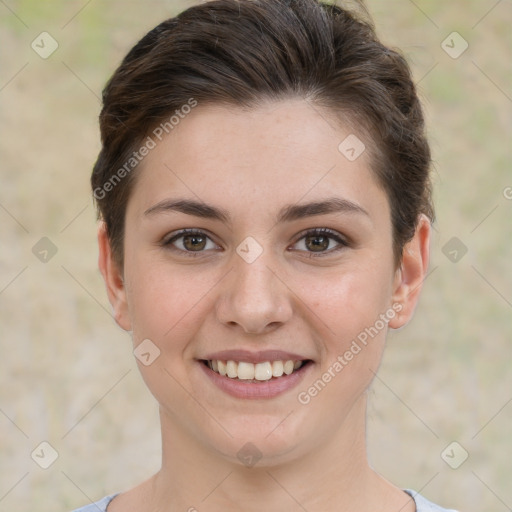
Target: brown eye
x=194 y=242
x=190 y=242
x=317 y=243
x=321 y=242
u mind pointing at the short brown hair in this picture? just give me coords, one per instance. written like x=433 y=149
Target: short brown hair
x=241 y=52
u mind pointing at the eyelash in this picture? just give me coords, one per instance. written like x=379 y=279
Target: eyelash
x=343 y=243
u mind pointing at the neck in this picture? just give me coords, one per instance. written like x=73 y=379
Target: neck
x=333 y=475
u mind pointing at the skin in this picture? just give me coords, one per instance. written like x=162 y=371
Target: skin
x=251 y=163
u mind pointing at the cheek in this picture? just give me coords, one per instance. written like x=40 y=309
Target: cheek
x=167 y=307
x=351 y=307
x=349 y=300
x=164 y=304
x=352 y=342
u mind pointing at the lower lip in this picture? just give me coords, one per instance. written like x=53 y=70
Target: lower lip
x=256 y=390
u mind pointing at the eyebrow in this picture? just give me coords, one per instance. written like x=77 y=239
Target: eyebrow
x=286 y=214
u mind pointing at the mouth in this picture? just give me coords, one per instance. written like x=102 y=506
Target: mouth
x=255 y=372
x=268 y=374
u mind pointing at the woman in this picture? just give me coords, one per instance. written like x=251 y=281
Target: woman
x=264 y=196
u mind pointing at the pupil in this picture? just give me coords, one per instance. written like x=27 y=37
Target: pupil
x=197 y=242
x=316 y=245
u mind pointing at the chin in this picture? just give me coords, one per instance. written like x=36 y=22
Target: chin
x=261 y=440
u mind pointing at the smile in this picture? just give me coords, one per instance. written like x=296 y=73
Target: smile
x=258 y=372
x=255 y=380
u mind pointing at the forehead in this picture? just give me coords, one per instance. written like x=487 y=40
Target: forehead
x=276 y=153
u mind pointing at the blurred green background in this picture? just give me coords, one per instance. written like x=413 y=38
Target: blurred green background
x=68 y=374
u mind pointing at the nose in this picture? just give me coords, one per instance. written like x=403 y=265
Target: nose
x=254 y=296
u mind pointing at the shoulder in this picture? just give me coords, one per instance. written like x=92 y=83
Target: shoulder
x=99 y=506
x=423 y=505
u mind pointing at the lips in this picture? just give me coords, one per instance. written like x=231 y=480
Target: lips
x=254 y=357
x=243 y=370
x=264 y=374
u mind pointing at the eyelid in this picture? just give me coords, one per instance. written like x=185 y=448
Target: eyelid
x=340 y=239
x=185 y=231
x=323 y=231
x=167 y=240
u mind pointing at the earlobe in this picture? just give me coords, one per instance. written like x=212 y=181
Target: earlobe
x=411 y=274
x=113 y=280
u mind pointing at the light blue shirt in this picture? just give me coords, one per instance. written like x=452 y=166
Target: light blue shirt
x=422 y=504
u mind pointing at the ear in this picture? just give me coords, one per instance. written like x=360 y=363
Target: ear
x=113 y=280
x=410 y=275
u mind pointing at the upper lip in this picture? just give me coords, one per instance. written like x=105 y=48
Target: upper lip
x=254 y=357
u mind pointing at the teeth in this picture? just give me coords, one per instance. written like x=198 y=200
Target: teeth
x=245 y=371
x=277 y=368
x=288 y=367
x=263 y=371
x=249 y=371
x=232 y=369
x=221 y=365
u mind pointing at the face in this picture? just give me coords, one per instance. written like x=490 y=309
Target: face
x=225 y=261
